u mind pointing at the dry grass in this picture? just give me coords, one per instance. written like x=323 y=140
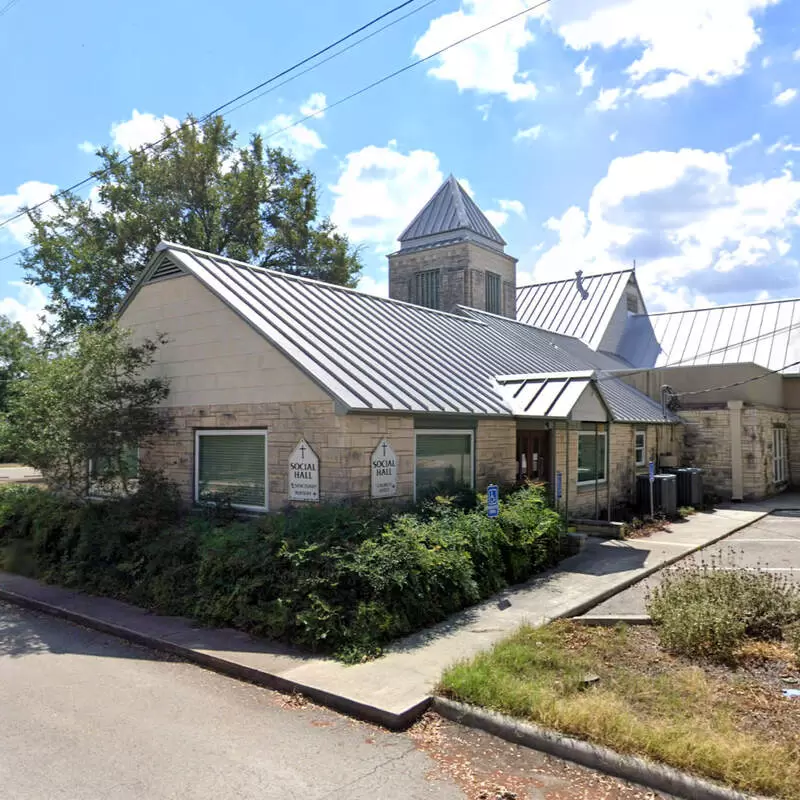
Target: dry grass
x=730 y=726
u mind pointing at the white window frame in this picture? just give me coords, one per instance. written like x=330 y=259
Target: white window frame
x=780 y=455
x=593 y=434
x=446 y=432
x=643 y=434
x=199 y=432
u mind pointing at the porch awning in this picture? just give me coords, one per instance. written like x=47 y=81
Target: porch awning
x=564 y=395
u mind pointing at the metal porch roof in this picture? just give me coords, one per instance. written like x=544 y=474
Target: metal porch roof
x=549 y=396
x=373 y=353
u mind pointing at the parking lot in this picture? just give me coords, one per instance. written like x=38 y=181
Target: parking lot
x=772 y=544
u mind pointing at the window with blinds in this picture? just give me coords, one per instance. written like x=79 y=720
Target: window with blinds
x=426 y=288
x=232 y=464
x=494 y=287
x=443 y=461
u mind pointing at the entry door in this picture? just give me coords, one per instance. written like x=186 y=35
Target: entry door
x=533 y=455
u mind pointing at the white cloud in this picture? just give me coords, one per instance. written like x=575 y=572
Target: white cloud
x=796 y=55
x=678 y=43
x=766 y=62
x=485 y=109
x=302 y=141
x=683 y=220
x=737 y=148
x=585 y=75
x=27 y=307
x=467 y=187
x=612 y=137
x=379 y=191
x=140 y=130
x=88 y=147
x=489 y=63
x=496 y=217
x=513 y=207
x=783 y=145
x=28 y=194
x=371 y=285
x=528 y=134
x=608 y=99
x=315 y=105
x=785 y=97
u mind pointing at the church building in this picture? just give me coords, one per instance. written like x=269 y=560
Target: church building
x=286 y=390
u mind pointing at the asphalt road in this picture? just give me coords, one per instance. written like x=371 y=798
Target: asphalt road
x=772 y=544
x=85 y=716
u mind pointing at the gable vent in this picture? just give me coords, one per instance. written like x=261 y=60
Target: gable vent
x=166 y=269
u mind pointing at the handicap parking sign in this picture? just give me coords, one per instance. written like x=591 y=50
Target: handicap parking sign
x=492 y=500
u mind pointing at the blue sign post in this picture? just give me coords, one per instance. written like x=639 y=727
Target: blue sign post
x=558 y=485
x=492 y=500
x=652 y=470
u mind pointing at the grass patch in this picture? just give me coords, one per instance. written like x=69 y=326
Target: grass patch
x=728 y=725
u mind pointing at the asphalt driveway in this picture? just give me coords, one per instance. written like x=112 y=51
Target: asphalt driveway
x=772 y=544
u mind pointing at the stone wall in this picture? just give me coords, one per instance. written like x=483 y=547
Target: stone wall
x=496 y=452
x=588 y=501
x=462 y=274
x=708 y=445
x=343 y=443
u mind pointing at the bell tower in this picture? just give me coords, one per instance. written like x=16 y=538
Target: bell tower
x=451 y=255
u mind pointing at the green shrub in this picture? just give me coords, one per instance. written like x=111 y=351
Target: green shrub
x=343 y=578
x=707 y=611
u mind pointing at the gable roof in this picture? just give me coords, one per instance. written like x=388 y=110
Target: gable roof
x=766 y=333
x=375 y=354
x=451 y=209
x=582 y=309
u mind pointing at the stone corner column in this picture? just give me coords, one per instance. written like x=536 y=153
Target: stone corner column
x=737 y=472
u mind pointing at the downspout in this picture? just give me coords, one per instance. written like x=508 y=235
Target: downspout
x=566 y=477
x=608 y=470
x=596 y=484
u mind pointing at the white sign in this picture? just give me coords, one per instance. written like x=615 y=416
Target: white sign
x=383 y=469
x=303 y=473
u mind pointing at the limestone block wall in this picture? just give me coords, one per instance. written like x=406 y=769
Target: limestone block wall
x=496 y=452
x=620 y=489
x=758 y=451
x=343 y=443
x=707 y=444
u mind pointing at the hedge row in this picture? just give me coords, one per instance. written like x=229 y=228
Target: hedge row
x=344 y=579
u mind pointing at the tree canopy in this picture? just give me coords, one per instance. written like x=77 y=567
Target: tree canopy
x=91 y=402
x=197 y=188
x=16 y=349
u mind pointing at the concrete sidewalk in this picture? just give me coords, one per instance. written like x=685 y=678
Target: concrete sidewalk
x=396 y=688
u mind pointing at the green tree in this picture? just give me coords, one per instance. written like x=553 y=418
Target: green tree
x=15 y=350
x=196 y=188
x=92 y=401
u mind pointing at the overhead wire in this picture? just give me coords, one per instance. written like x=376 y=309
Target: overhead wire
x=100 y=173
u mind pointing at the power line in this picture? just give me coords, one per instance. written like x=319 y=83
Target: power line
x=7 y=7
x=737 y=383
x=95 y=175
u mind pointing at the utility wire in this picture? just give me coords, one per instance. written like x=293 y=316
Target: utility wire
x=7 y=7
x=95 y=175
x=737 y=383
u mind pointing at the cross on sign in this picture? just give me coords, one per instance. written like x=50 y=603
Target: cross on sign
x=384 y=448
x=302 y=451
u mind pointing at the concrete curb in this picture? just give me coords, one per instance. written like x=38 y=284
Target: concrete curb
x=609 y=620
x=586 y=605
x=630 y=768
x=344 y=705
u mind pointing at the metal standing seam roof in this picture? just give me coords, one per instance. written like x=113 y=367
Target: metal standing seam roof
x=541 y=395
x=372 y=353
x=767 y=334
x=560 y=306
x=450 y=209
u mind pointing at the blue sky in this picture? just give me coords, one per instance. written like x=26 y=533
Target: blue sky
x=593 y=132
